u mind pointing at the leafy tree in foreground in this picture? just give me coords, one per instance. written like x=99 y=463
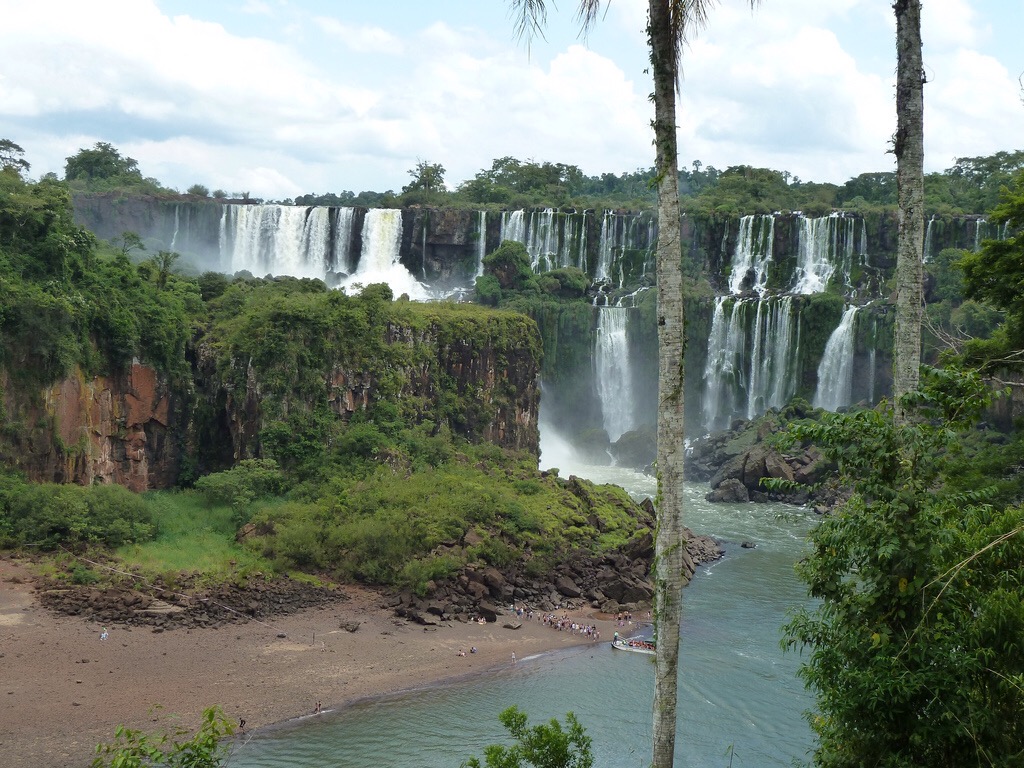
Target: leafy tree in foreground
x=542 y=746
x=206 y=748
x=917 y=644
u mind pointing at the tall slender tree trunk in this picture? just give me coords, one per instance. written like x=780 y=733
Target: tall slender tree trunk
x=670 y=545
x=909 y=147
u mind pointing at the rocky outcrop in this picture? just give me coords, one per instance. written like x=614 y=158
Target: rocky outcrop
x=735 y=462
x=163 y=606
x=121 y=428
x=608 y=581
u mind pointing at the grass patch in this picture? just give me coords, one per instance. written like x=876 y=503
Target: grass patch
x=192 y=537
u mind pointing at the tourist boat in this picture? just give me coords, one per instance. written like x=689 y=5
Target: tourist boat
x=635 y=644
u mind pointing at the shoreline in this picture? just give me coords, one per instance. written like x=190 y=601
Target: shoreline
x=64 y=689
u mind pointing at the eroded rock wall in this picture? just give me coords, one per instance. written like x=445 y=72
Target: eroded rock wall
x=104 y=429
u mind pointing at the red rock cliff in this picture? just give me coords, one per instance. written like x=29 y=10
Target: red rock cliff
x=107 y=429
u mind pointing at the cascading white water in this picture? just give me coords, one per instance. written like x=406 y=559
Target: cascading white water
x=723 y=369
x=273 y=239
x=177 y=224
x=835 y=371
x=614 y=375
x=621 y=234
x=863 y=251
x=379 y=260
x=552 y=239
x=754 y=246
x=825 y=245
x=928 y=240
x=481 y=241
x=315 y=245
x=606 y=246
x=341 y=249
x=749 y=369
x=513 y=226
x=775 y=354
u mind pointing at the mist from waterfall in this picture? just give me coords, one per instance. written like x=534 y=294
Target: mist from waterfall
x=379 y=261
x=835 y=371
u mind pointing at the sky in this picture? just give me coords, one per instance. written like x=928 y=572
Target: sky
x=280 y=98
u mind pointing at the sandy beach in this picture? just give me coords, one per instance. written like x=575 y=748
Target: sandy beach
x=63 y=689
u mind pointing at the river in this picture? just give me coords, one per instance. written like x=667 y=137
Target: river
x=740 y=701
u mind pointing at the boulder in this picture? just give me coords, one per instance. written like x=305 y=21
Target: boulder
x=731 y=490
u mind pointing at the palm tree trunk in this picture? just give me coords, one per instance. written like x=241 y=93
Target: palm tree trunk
x=909 y=147
x=670 y=545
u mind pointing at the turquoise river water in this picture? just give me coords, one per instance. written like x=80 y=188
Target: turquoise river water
x=740 y=701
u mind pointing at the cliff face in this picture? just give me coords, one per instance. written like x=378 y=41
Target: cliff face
x=495 y=390
x=108 y=429
x=134 y=429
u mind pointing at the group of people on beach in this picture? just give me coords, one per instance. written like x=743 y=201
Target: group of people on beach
x=565 y=624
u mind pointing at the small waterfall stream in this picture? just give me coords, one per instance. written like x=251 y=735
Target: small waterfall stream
x=835 y=372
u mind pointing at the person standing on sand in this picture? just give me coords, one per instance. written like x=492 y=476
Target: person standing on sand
x=103 y=634
x=513 y=657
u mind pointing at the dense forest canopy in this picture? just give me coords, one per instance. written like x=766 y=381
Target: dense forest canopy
x=971 y=186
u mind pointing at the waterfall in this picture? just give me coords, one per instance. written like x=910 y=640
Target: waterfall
x=177 y=224
x=341 y=250
x=825 y=245
x=379 y=259
x=835 y=372
x=780 y=351
x=928 y=240
x=315 y=243
x=864 y=243
x=614 y=376
x=754 y=246
x=275 y=239
x=481 y=242
x=749 y=369
x=552 y=239
x=513 y=226
x=606 y=247
x=723 y=370
x=622 y=237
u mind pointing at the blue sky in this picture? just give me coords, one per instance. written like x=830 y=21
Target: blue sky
x=283 y=97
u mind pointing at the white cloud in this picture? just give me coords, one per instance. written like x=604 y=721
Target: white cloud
x=800 y=85
x=363 y=39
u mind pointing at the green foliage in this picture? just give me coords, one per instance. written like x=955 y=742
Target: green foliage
x=206 y=748
x=103 y=168
x=240 y=486
x=192 y=536
x=916 y=652
x=200 y=190
x=64 y=306
x=406 y=522
x=427 y=180
x=510 y=265
x=48 y=516
x=12 y=158
x=549 y=745
x=995 y=275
